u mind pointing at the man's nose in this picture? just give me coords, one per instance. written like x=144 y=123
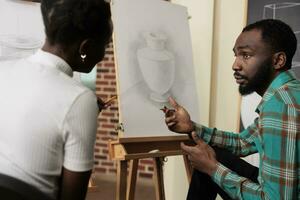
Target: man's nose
x=236 y=66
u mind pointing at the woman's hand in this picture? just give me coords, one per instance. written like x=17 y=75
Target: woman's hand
x=105 y=104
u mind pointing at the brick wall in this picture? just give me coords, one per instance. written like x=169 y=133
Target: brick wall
x=108 y=119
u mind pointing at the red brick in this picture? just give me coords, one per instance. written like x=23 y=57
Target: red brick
x=99 y=76
x=101 y=144
x=100 y=169
x=109 y=64
x=102 y=82
x=109 y=89
x=144 y=161
x=101 y=157
x=113 y=133
x=107 y=114
x=151 y=169
x=145 y=175
x=106 y=76
x=113 y=108
x=103 y=70
x=110 y=164
x=102 y=132
x=105 y=151
x=108 y=126
x=114 y=121
x=102 y=96
x=100 y=64
x=113 y=171
x=102 y=120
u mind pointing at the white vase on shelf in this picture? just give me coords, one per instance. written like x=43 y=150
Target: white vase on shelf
x=157 y=66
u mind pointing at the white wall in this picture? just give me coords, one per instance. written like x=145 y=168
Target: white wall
x=230 y=18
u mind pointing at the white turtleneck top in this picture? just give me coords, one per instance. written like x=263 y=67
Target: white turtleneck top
x=47 y=121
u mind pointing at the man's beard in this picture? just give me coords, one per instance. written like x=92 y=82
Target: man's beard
x=259 y=80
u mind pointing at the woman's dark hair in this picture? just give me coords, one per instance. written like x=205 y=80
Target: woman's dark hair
x=278 y=35
x=70 y=21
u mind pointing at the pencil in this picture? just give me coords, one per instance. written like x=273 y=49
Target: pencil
x=110 y=100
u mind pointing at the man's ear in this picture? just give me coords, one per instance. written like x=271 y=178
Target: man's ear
x=83 y=47
x=279 y=60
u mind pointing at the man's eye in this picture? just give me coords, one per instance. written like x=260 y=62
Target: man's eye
x=246 y=56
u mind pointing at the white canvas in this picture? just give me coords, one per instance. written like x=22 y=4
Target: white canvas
x=21 y=18
x=22 y=34
x=153 y=54
x=22 y=30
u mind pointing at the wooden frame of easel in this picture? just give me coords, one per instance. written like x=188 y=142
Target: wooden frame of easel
x=128 y=151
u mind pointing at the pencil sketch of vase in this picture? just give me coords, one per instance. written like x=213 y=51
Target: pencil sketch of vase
x=157 y=66
x=17 y=46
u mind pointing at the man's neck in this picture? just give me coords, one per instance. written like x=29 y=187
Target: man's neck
x=261 y=91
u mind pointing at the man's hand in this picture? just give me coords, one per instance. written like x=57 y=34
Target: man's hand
x=201 y=156
x=178 y=119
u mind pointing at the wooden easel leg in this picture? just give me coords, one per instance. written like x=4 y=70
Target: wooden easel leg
x=133 y=167
x=121 y=180
x=188 y=168
x=92 y=187
x=158 y=179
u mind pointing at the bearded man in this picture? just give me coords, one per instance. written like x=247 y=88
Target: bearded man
x=263 y=57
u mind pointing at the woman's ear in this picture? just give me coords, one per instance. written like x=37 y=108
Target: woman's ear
x=83 y=47
x=279 y=60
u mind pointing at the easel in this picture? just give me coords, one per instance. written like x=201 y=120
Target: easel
x=92 y=187
x=128 y=151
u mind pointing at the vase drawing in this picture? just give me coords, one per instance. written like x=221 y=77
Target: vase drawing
x=287 y=12
x=157 y=66
x=18 y=46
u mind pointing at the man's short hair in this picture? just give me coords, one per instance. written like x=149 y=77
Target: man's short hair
x=70 y=21
x=278 y=35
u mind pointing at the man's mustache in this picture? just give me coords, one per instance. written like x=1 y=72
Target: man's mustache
x=239 y=76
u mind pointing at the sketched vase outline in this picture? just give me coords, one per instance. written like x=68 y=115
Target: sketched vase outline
x=18 y=46
x=287 y=12
x=157 y=66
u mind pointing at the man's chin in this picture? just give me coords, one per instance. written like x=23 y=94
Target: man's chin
x=244 y=91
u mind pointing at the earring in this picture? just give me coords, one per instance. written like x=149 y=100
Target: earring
x=83 y=56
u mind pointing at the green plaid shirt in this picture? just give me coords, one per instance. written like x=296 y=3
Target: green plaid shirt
x=275 y=135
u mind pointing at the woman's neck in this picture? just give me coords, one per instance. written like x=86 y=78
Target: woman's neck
x=59 y=51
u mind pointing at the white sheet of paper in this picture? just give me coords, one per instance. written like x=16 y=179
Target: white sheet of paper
x=140 y=108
